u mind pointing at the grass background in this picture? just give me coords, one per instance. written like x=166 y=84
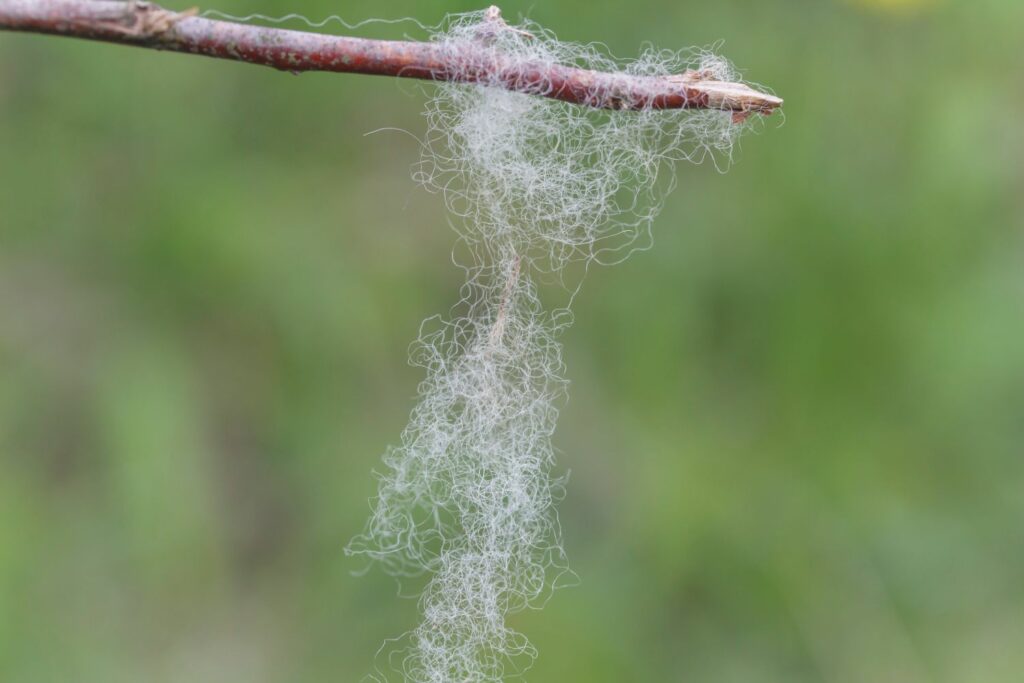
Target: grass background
x=795 y=428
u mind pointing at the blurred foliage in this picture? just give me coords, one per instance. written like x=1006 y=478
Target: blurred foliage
x=796 y=424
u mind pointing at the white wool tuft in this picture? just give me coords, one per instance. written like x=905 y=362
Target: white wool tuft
x=468 y=496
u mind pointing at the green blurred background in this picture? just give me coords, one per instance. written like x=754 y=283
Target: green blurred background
x=796 y=425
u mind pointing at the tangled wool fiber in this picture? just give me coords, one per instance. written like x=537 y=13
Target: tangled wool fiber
x=468 y=495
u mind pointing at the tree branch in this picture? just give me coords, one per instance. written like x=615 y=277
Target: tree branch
x=144 y=24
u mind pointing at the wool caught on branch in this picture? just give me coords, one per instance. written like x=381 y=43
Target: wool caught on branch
x=467 y=496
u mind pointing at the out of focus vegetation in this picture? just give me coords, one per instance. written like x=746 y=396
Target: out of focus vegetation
x=796 y=425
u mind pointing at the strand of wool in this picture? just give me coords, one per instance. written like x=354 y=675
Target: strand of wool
x=468 y=495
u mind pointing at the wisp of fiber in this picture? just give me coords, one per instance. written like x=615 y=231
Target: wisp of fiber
x=467 y=496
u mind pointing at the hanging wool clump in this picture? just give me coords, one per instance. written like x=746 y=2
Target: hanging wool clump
x=468 y=495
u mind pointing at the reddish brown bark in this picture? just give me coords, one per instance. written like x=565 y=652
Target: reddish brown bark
x=144 y=24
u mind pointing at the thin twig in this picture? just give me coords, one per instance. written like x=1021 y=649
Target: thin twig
x=145 y=24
